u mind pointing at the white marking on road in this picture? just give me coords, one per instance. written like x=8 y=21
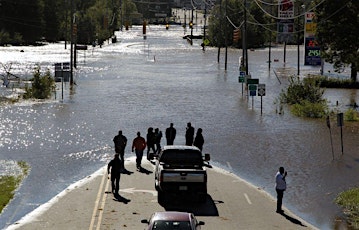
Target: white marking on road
x=247 y=198
x=133 y=190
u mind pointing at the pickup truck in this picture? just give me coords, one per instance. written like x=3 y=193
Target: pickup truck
x=180 y=171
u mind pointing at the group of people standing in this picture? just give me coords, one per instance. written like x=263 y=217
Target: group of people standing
x=197 y=141
x=152 y=142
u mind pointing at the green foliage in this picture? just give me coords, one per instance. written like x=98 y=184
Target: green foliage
x=219 y=26
x=42 y=86
x=326 y=82
x=309 y=109
x=305 y=98
x=349 y=201
x=337 y=33
x=351 y=115
x=8 y=184
x=29 y=21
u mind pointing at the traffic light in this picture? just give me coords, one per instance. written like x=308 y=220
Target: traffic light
x=236 y=35
x=191 y=24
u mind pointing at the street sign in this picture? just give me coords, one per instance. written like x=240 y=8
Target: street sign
x=253 y=93
x=241 y=79
x=261 y=89
x=242 y=73
x=252 y=87
x=252 y=81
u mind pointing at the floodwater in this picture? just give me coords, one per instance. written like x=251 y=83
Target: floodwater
x=136 y=83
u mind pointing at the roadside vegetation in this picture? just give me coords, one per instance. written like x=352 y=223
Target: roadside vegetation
x=42 y=85
x=305 y=97
x=349 y=201
x=8 y=184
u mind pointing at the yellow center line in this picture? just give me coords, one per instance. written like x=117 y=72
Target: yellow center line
x=98 y=200
x=102 y=209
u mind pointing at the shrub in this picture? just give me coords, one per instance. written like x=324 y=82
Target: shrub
x=305 y=98
x=349 y=200
x=42 y=86
x=351 y=115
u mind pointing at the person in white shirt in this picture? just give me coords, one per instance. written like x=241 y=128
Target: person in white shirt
x=280 y=187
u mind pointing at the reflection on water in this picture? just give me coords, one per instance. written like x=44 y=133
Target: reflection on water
x=135 y=84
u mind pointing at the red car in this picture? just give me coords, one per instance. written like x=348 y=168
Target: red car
x=173 y=220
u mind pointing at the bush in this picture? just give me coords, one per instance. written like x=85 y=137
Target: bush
x=349 y=200
x=42 y=86
x=308 y=109
x=305 y=98
x=351 y=115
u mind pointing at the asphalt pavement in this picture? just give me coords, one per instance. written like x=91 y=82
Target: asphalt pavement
x=232 y=203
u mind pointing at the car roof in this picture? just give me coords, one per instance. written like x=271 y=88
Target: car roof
x=171 y=215
x=180 y=147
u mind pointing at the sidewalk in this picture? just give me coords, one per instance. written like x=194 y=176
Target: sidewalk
x=232 y=204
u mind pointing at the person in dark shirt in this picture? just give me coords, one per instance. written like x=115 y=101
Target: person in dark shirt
x=158 y=135
x=189 y=134
x=170 y=134
x=120 y=142
x=114 y=168
x=151 y=139
x=199 y=140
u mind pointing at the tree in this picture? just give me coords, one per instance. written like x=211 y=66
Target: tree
x=42 y=85
x=338 y=32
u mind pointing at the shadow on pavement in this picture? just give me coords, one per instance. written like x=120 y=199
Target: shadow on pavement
x=119 y=198
x=143 y=170
x=293 y=220
x=207 y=208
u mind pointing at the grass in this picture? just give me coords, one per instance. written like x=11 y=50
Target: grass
x=349 y=201
x=8 y=184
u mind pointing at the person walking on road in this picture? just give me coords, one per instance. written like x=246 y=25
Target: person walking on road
x=139 y=144
x=158 y=137
x=151 y=139
x=189 y=134
x=114 y=168
x=199 y=140
x=170 y=134
x=120 y=145
x=280 y=187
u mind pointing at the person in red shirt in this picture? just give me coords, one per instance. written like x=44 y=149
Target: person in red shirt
x=138 y=144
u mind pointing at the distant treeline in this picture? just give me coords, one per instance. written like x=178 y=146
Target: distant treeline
x=24 y=22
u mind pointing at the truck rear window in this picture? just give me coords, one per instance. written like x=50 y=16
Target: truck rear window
x=176 y=156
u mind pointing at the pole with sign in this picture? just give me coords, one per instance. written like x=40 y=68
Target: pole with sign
x=261 y=93
x=340 y=122
x=241 y=79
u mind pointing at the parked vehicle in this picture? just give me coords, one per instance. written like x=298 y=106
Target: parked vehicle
x=173 y=220
x=180 y=171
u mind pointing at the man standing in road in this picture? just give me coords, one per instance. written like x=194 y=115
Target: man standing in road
x=114 y=168
x=189 y=134
x=120 y=145
x=139 y=144
x=280 y=187
x=170 y=134
x=199 y=140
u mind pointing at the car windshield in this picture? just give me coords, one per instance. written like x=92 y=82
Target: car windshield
x=168 y=225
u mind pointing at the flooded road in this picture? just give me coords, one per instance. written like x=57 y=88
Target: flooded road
x=136 y=84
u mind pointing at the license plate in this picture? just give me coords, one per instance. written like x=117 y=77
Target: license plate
x=182 y=188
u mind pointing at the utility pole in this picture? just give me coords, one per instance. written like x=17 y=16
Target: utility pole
x=245 y=52
x=226 y=35
x=72 y=45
